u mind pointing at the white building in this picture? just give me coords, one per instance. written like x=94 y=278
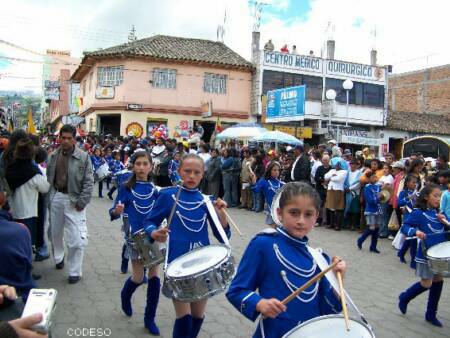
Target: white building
x=367 y=99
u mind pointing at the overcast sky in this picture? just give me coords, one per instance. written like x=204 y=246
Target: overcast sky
x=410 y=34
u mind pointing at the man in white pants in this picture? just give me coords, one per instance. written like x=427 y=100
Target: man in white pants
x=69 y=173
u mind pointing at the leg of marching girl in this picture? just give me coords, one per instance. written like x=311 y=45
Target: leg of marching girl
x=190 y=318
x=153 y=288
x=433 y=284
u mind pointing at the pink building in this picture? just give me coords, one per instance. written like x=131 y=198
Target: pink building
x=163 y=80
x=58 y=68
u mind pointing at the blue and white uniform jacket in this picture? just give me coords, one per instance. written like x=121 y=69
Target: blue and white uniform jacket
x=138 y=202
x=269 y=188
x=116 y=166
x=373 y=206
x=173 y=171
x=188 y=228
x=97 y=161
x=406 y=199
x=427 y=222
x=273 y=266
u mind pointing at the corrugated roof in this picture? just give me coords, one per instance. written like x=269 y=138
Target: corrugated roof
x=416 y=122
x=177 y=49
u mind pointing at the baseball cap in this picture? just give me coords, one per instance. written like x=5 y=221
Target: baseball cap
x=398 y=165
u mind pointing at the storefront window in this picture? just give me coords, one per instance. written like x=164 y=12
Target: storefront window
x=276 y=80
x=365 y=94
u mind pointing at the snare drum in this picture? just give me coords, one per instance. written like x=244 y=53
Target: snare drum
x=439 y=259
x=331 y=326
x=201 y=273
x=102 y=172
x=150 y=254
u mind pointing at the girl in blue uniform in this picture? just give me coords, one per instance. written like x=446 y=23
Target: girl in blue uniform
x=406 y=200
x=173 y=168
x=374 y=217
x=136 y=198
x=188 y=230
x=269 y=186
x=428 y=225
x=115 y=166
x=277 y=262
x=109 y=160
x=97 y=160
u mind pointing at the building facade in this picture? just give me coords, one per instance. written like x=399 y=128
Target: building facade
x=324 y=119
x=56 y=85
x=419 y=105
x=137 y=87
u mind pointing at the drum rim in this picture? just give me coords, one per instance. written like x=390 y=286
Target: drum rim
x=203 y=271
x=438 y=245
x=315 y=319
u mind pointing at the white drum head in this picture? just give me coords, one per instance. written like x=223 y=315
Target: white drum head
x=330 y=327
x=197 y=261
x=441 y=250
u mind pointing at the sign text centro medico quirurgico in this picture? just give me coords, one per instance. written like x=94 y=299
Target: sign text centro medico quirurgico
x=287 y=104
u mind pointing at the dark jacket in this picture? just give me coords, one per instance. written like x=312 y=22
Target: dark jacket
x=15 y=255
x=213 y=173
x=302 y=169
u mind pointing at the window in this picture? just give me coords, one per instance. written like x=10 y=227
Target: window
x=164 y=78
x=276 y=80
x=215 y=83
x=365 y=94
x=110 y=76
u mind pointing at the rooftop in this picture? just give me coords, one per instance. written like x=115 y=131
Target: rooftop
x=415 y=122
x=170 y=48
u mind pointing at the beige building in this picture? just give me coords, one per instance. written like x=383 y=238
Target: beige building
x=163 y=80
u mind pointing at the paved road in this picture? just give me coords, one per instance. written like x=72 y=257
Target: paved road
x=373 y=281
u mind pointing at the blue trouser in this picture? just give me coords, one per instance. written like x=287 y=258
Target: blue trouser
x=386 y=210
x=227 y=188
x=258 y=201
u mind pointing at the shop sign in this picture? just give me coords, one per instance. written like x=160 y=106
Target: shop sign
x=134 y=106
x=286 y=129
x=134 y=129
x=104 y=93
x=286 y=104
x=304 y=132
x=355 y=70
x=354 y=132
x=51 y=84
x=182 y=129
x=292 y=61
x=367 y=141
x=52 y=93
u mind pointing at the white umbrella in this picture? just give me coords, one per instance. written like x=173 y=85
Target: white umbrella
x=240 y=133
x=277 y=137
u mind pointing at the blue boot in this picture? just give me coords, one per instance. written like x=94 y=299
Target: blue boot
x=124 y=263
x=401 y=253
x=196 y=326
x=433 y=301
x=409 y=294
x=153 y=287
x=125 y=295
x=374 y=241
x=363 y=237
x=183 y=327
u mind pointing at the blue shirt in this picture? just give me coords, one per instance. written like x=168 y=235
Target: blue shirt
x=445 y=202
x=188 y=229
x=138 y=202
x=15 y=255
x=268 y=187
x=406 y=199
x=427 y=222
x=373 y=206
x=173 y=171
x=97 y=161
x=115 y=166
x=273 y=266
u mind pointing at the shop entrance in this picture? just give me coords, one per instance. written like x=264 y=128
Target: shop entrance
x=208 y=128
x=395 y=147
x=109 y=124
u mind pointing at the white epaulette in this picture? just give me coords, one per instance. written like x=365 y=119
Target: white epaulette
x=267 y=231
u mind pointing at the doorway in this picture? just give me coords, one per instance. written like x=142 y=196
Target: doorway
x=109 y=124
x=208 y=129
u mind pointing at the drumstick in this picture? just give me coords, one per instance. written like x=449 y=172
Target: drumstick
x=310 y=282
x=344 y=304
x=177 y=196
x=231 y=221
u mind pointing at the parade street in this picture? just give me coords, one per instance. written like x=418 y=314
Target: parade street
x=93 y=305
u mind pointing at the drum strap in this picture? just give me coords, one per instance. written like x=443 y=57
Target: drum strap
x=323 y=264
x=215 y=218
